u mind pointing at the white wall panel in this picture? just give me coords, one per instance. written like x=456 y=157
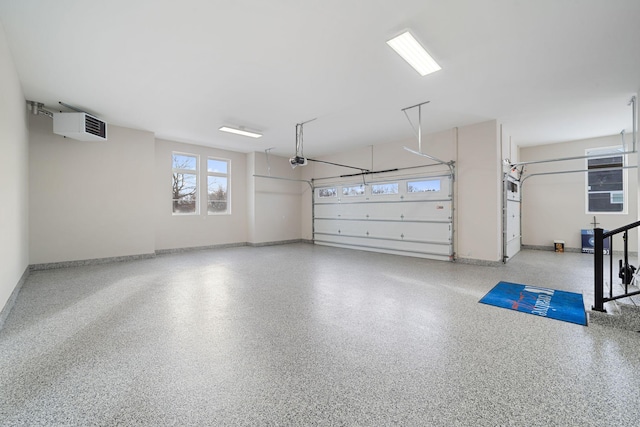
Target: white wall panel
x=14 y=178
x=91 y=200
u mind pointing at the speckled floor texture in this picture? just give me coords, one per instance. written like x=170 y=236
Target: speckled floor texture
x=303 y=335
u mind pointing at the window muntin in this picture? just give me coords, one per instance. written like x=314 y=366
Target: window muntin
x=423 y=186
x=382 y=189
x=185 y=183
x=605 y=181
x=218 y=186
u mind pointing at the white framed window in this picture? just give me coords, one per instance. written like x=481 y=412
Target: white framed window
x=606 y=181
x=218 y=200
x=423 y=186
x=382 y=189
x=356 y=190
x=185 y=183
x=327 y=192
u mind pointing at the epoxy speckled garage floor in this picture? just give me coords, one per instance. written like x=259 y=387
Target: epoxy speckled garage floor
x=308 y=335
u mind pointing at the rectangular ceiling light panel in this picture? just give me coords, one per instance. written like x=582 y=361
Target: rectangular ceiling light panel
x=240 y=132
x=411 y=51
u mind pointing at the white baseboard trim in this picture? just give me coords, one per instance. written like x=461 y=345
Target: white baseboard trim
x=4 y=313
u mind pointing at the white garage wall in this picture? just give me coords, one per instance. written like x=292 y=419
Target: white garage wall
x=479 y=175
x=102 y=215
x=202 y=230
x=277 y=209
x=89 y=200
x=554 y=206
x=14 y=208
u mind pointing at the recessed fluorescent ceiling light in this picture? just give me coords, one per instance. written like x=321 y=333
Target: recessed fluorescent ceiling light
x=412 y=52
x=240 y=132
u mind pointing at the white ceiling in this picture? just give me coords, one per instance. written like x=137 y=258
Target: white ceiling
x=548 y=70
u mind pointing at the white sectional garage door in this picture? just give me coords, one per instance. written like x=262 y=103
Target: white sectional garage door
x=408 y=216
x=512 y=217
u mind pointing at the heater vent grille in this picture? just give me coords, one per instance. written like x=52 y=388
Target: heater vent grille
x=95 y=126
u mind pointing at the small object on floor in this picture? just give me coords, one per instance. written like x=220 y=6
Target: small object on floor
x=558 y=245
x=544 y=302
x=626 y=272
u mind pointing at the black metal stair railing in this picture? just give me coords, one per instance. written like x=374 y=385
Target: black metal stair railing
x=625 y=271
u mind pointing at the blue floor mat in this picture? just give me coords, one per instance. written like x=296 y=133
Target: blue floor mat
x=544 y=302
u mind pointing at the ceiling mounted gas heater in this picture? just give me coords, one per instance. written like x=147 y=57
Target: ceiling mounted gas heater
x=78 y=125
